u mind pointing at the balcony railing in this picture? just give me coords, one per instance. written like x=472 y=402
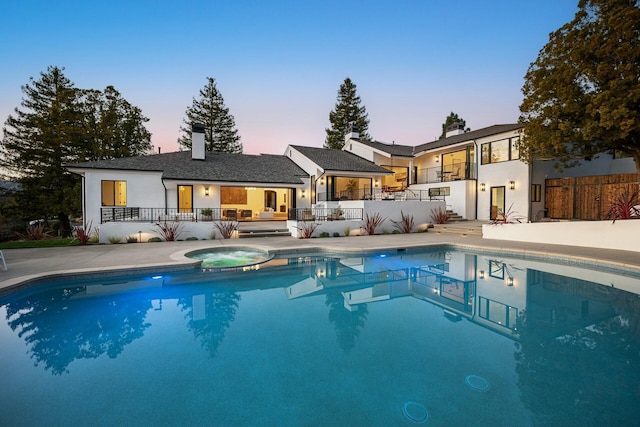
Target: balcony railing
x=445 y=173
x=381 y=194
x=136 y=214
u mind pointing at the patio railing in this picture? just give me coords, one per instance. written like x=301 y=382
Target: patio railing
x=450 y=172
x=136 y=214
x=382 y=194
x=325 y=214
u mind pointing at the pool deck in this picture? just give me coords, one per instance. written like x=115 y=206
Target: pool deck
x=27 y=265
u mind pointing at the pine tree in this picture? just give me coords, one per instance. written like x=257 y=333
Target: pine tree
x=346 y=112
x=451 y=119
x=60 y=124
x=209 y=110
x=39 y=140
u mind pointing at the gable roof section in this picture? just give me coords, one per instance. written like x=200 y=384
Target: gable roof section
x=392 y=149
x=468 y=136
x=338 y=160
x=222 y=167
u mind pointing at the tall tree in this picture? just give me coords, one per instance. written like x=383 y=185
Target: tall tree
x=346 y=112
x=451 y=119
x=60 y=124
x=209 y=110
x=582 y=94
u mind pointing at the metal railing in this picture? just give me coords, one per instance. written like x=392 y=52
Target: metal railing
x=136 y=214
x=325 y=214
x=451 y=172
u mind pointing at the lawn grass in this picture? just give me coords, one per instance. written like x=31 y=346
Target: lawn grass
x=46 y=243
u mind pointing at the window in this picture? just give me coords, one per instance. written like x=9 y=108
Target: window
x=114 y=193
x=500 y=151
x=536 y=192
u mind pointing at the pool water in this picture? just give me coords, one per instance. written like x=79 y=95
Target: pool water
x=432 y=338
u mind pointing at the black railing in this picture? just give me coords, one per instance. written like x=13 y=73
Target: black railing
x=450 y=172
x=325 y=214
x=135 y=214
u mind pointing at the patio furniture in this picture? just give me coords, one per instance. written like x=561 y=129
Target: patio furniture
x=230 y=214
x=267 y=213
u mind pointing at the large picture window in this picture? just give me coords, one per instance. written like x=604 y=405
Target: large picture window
x=500 y=151
x=114 y=193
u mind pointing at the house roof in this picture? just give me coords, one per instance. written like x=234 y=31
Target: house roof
x=391 y=149
x=225 y=167
x=468 y=136
x=338 y=160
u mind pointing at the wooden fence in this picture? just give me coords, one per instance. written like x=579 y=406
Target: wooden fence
x=587 y=197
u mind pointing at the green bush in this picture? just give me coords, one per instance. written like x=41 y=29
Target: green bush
x=336 y=234
x=154 y=239
x=395 y=232
x=324 y=234
x=191 y=238
x=114 y=239
x=132 y=239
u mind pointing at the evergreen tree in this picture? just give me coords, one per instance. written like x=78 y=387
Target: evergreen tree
x=582 y=94
x=39 y=140
x=346 y=112
x=451 y=119
x=60 y=124
x=209 y=110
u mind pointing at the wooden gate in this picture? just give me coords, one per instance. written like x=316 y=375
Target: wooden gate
x=586 y=197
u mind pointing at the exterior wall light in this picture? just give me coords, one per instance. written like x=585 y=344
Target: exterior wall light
x=510 y=281
x=206 y=191
x=512 y=185
x=482 y=274
x=302 y=194
x=437 y=159
x=483 y=187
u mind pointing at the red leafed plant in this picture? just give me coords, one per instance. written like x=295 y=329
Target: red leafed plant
x=439 y=216
x=226 y=228
x=307 y=229
x=507 y=217
x=405 y=224
x=625 y=205
x=84 y=234
x=35 y=232
x=372 y=222
x=169 y=231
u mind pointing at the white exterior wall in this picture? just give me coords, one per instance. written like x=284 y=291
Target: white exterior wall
x=360 y=150
x=144 y=189
x=462 y=199
x=499 y=175
x=622 y=235
x=199 y=199
x=147 y=230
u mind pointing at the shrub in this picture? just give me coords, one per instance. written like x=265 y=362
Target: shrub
x=396 y=232
x=372 y=222
x=34 y=232
x=507 y=217
x=347 y=231
x=439 y=216
x=132 y=239
x=307 y=229
x=114 y=239
x=154 y=240
x=206 y=212
x=169 y=231
x=226 y=228
x=191 y=238
x=336 y=234
x=83 y=235
x=405 y=225
x=94 y=239
x=624 y=206
x=324 y=234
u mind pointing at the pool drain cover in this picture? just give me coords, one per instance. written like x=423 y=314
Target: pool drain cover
x=415 y=412
x=477 y=383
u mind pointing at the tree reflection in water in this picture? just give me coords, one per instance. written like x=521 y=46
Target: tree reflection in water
x=347 y=323
x=220 y=310
x=60 y=325
x=562 y=376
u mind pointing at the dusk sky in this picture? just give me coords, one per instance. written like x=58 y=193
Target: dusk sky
x=279 y=64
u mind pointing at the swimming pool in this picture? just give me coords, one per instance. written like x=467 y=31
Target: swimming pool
x=435 y=337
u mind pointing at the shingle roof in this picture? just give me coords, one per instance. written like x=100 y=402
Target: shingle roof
x=391 y=149
x=226 y=167
x=338 y=160
x=468 y=136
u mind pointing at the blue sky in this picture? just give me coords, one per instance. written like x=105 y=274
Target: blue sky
x=279 y=64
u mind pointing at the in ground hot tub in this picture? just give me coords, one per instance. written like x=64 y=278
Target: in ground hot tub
x=215 y=258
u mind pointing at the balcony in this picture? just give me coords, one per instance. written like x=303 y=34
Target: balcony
x=445 y=173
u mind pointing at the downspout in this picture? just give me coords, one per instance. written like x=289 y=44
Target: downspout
x=165 y=196
x=475 y=154
x=84 y=205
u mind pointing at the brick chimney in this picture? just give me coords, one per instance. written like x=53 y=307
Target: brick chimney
x=197 y=141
